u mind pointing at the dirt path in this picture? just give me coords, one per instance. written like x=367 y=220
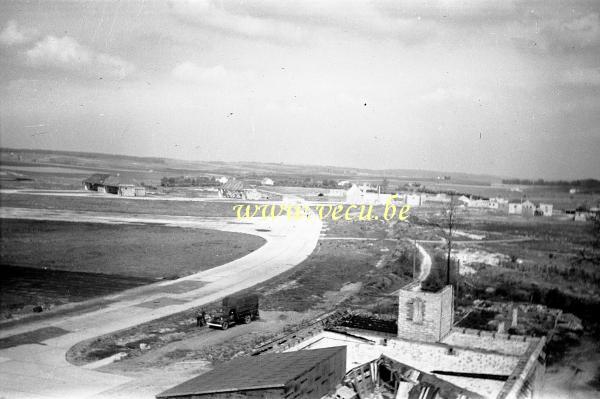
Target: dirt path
x=39 y=370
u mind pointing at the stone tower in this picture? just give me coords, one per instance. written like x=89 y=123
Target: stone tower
x=425 y=316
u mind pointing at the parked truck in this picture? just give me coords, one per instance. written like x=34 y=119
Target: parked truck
x=235 y=309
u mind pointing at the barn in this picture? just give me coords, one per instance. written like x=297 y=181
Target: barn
x=109 y=184
x=95 y=181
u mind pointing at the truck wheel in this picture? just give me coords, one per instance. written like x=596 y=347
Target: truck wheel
x=225 y=325
x=247 y=319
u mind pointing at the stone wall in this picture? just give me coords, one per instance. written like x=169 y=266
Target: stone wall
x=424 y=356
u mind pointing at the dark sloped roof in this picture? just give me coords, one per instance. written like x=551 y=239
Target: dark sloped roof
x=109 y=180
x=118 y=180
x=234 y=185
x=271 y=370
x=97 y=178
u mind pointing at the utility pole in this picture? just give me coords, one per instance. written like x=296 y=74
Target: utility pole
x=451 y=210
x=414 y=259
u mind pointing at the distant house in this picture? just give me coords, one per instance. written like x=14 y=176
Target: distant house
x=440 y=197
x=515 y=208
x=354 y=195
x=267 y=182
x=104 y=183
x=414 y=199
x=545 y=209
x=237 y=189
x=367 y=187
x=464 y=199
x=582 y=216
x=572 y=191
x=233 y=189
x=479 y=203
x=528 y=208
x=360 y=195
x=95 y=181
x=336 y=192
x=343 y=183
x=223 y=179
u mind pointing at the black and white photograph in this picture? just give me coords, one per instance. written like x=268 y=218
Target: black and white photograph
x=320 y=199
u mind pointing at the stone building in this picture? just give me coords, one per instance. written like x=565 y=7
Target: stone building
x=474 y=363
x=108 y=184
x=425 y=316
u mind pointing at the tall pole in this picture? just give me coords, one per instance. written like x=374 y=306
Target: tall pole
x=414 y=260
x=450 y=222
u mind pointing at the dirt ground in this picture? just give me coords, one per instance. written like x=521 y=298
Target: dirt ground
x=205 y=344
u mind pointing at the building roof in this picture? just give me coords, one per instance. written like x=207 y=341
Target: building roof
x=97 y=178
x=270 y=370
x=109 y=180
x=234 y=185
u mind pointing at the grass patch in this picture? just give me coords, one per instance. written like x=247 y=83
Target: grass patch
x=118 y=204
x=148 y=251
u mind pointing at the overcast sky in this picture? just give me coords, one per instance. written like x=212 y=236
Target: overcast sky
x=506 y=88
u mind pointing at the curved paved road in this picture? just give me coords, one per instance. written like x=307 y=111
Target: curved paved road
x=41 y=371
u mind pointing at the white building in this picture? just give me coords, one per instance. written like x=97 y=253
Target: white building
x=440 y=197
x=356 y=195
x=528 y=208
x=336 y=192
x=515 y=208
x=267 y=182
x=478 y=203
x=465 y=200
x=545 y=209
x=223 y=179
x=499 y=200
x=414 y=199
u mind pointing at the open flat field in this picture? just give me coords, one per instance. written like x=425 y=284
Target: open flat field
x=150 y=251
x=118 y=204
x=48 y=263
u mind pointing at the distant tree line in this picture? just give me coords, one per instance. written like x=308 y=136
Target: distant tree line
x=585 y=183
x=426 y=190
x=188 y=181
x=307 y=182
